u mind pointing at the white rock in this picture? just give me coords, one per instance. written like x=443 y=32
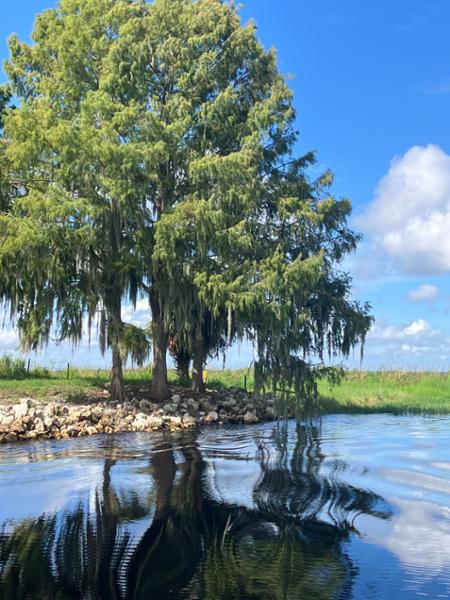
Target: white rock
x=270 y=412
x=188 y=421
x=7 y=420
x=145 y=405
x=192 y=404
x=175 y=422
x=141 y=422
x=48 y=422
x=39 y=426
x=28 y=401
x=50 y=410
x=155 y=422
x=20 y=410
x=250 y=417
x=211 y=417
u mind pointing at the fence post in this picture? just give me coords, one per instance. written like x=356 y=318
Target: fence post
x=28 y=367
x=68 y=370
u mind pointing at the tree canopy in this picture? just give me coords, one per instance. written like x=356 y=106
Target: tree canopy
x=151 y=153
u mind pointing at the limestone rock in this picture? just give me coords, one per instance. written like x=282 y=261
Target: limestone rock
x=39 y=426
x=18 y=426
x=211 y=417
x=140 y=422
x=50 y=410
x=73 y=430
x=155 y=422
x=30 y=420
x=250 y=418
x=48 y=422
x=192 y=405
x=146 y=405
x=6 y=421
x=20 y=410
x=175 y=422
x=29 y=402
x=188 y=421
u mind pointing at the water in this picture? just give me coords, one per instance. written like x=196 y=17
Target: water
x=344 y=507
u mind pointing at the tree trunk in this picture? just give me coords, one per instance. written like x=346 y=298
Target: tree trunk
x=115 y=323
x=199 y=357
x=181 y=357
x=117 y=385
x=183 y=360
x=160 y=386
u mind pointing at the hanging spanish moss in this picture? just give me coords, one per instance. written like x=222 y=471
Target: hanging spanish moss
x=135 y=167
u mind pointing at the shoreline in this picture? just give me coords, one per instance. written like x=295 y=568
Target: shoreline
x=31 y=419
x=58 y=407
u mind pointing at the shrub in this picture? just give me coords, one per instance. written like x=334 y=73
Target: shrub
x=12 y=368
x=40 y=373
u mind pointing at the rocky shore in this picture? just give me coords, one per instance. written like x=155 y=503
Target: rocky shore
x=29 y=419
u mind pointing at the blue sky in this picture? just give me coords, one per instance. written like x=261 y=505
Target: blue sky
x=371 y=83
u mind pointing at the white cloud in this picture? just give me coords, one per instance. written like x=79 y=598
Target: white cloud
x=419 y=533
x=414 y=345
x=419 y=330
x=419 y=326
x=9 y=340
x=424 y=293
x=409 y=218
x=140 y=316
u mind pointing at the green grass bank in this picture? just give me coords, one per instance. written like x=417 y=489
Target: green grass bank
x=395 y=392
x=359 y=392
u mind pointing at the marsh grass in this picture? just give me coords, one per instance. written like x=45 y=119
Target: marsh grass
x=395 y=391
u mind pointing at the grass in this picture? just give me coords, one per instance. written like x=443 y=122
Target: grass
x=360 y=391
x=55 y=385
x=396 y=392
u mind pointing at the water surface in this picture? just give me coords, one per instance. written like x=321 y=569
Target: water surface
x=342 y=507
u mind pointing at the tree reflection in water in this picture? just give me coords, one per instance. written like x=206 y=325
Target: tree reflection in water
x=290 y=543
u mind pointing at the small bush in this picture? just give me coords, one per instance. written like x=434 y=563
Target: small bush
x=16 y=368
x=12 y=368
x=39 y=373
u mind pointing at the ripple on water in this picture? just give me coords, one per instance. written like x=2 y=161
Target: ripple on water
x=342 y=507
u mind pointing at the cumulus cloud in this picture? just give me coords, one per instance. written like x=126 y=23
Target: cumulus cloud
x=416 y=345
x=409 y=218
x=139 y=316
x=420 y=531
x=419 y=331
x=424 y=293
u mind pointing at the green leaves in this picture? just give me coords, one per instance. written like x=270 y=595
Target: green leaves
x=151 y=151
x=134 y=344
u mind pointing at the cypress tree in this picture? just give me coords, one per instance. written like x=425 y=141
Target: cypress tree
x=151 y=152
x=269 y=272
x=71 y=237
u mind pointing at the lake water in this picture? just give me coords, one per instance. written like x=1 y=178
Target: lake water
x=341 y=507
